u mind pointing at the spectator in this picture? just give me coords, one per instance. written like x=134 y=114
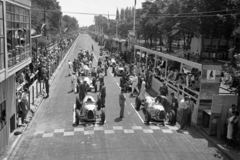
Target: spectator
x=231 y=110
x=190 y=108
x=164 y=89
x=231 y=122
x=236 y=122
x=183 y=111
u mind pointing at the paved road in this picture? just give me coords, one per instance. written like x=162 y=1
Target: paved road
x=52 y=136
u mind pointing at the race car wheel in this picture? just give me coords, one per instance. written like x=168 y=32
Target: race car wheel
x=95 y=88
x=147 y=117
x=103 y=116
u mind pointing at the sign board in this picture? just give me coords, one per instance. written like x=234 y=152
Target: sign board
x=211 y=75
x=131 y=33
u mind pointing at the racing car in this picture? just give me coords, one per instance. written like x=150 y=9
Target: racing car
x=153 y=111
x=89 y=83
x=112 y=62
x=119 y=70
x=87 y=111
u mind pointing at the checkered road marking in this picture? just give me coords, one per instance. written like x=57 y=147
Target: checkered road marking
x=108 y=130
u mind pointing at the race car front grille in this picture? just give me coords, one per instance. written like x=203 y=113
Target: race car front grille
x=90 y=115
x=161 y=115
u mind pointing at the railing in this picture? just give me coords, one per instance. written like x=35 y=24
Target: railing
x=18 y=59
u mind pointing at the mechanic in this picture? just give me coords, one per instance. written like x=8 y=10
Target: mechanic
x=105 y=68
x=143 y=90
x=94 y=84
x=78 y=110
x=82 y=91
x=101 y=76
x=103 y=94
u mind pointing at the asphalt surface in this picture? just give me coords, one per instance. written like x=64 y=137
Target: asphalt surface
x=52 y=136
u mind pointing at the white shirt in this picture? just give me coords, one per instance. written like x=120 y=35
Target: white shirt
x=182 y=104
x=135 y=80
x=70 y=64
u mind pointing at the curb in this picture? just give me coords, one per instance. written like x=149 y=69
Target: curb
x=213 y=143
x=9 y=153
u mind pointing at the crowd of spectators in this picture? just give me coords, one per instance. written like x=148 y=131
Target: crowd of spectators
x=43 y=65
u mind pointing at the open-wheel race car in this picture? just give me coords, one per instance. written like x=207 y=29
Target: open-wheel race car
x=112 y=62
x=153 y=111
x=88 y=111
x=89 y=83
x=119 y=70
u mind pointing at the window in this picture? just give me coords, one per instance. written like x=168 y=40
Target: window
x=18 y=39
x=2 y=59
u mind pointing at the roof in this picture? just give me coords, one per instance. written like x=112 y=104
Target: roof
x=119 y=40
x=190 y=63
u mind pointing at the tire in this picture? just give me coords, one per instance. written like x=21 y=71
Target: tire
x=103 y=116
x=147 y=117
x=137 y=103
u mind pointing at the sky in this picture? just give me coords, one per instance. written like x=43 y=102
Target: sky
x=94 y=6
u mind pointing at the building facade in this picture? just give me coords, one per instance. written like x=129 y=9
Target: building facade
x=15 y=54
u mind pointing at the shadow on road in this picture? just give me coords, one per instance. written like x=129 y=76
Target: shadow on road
x=70 y=92
x=117 y=119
